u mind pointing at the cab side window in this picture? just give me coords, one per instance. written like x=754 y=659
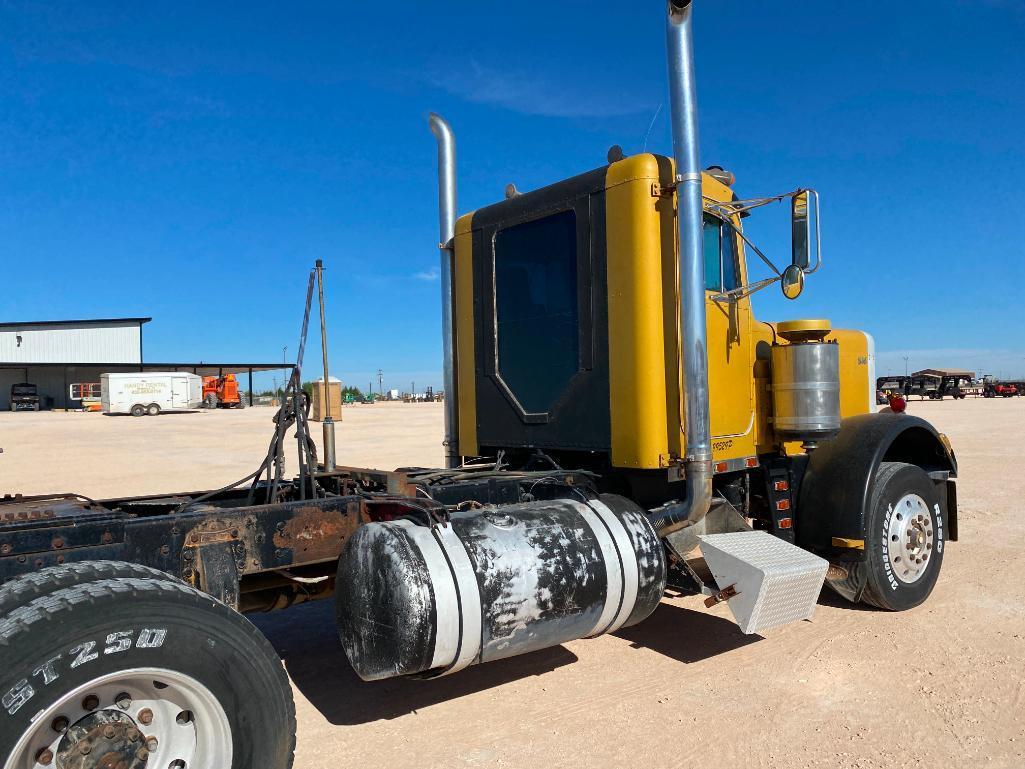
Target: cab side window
x=720 y=246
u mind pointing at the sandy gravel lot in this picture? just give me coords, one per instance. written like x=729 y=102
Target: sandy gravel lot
x=940 y=686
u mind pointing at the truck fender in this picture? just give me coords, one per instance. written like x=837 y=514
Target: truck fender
x=834 y=492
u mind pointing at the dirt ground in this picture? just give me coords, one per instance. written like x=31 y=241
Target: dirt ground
x=940 y=686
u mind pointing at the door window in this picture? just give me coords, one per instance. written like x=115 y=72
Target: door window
x=720 y=247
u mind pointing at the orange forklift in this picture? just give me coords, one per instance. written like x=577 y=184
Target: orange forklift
x=222 y=392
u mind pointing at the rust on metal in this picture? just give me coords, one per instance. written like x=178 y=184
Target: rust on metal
x=315 y=534
x=393 y=482
x=723 y=595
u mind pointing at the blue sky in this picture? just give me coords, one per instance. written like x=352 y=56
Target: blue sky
x=190 y=161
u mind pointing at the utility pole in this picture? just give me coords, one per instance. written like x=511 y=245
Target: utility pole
x=380 y=381
x=329 y=423
x=284 y=354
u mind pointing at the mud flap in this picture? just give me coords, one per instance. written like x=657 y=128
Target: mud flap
x=775 y=582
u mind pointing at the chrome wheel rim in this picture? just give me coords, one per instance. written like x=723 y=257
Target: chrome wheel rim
x=910 y=538
x=143 y=717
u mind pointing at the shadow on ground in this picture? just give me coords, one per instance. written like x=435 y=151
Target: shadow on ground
x=685 y=635
x=306 y=640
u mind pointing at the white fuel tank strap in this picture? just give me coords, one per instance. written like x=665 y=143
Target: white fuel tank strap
x=446 y=599
x=469 y=598
x=613 y=567
x=627 y=559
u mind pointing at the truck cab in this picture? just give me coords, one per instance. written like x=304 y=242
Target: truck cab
x=567 y=331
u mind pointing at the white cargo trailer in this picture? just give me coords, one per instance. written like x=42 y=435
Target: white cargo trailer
x=150 y=393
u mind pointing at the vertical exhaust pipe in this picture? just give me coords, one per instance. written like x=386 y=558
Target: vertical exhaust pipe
x=684 y=113
x=447 y=225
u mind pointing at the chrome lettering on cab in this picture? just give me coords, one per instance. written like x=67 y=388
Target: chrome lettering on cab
x=49 y=670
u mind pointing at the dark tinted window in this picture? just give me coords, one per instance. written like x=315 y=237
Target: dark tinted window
x=720 y=245
x=536 y=308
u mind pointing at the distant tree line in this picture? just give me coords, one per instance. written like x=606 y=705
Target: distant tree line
x=355 y=392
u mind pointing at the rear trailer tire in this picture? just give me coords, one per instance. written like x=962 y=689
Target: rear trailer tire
x=138 y=410
x=905 y=535
x=28 y=587
x=145 y=671
x=152 y=410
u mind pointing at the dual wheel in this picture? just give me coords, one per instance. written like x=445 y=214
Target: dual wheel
x=109 y=664
x=139 y=410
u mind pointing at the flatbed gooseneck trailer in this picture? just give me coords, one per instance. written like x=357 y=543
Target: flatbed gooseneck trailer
x=616 y=421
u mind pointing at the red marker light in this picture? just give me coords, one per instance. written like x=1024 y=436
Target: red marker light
x=897 y=403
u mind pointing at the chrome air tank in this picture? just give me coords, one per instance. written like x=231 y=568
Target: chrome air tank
x=805 y=383
x=493 y=583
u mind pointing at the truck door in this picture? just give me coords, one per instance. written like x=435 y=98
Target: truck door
x=179 y=393
x=730 y=366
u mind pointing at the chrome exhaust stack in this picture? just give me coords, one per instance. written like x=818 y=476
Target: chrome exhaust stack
x=684 y=113
x=447 y=226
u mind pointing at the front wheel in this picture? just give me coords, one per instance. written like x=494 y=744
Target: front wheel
x=138 y=410
x=904 y=541
x=140 y=672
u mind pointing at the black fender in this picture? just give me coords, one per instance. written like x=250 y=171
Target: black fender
x=834 y=492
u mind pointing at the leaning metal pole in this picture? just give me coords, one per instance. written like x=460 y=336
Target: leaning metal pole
x=684 y=114
x=328 y=423
x=447 y=224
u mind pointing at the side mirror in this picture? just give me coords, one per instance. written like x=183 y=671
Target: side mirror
x=792 y=281
x=800 y=225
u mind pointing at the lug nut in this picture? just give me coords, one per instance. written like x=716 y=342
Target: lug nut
x=109 y=732
x=44 y=757
x=151 y=744
x=91 y=702
x=133 y=735
x=59 y=724
x=84 y=747
x=142 y=754
x=123 y=701
x=145 y=716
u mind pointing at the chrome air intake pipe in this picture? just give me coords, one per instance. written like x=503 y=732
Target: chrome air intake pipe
x=447 y=225
x=684 y=113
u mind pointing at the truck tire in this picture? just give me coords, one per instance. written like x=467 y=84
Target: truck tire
x=141 y=672
x=28 y=587
x=904 y=541
x=152 y=410
x=210 y=401
x=138 y=410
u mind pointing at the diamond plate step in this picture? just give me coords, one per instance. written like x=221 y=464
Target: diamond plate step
x=776 y=582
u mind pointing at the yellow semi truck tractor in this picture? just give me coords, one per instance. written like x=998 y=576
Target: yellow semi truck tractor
x=607 y=323
x=617 y=420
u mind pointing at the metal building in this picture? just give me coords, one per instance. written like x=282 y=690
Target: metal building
x=62 y=357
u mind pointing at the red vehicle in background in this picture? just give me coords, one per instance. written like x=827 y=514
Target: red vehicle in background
x=222 y=392
x=1000 y=389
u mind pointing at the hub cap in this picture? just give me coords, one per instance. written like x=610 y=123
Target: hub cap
x=144 y=717
x=909 y=540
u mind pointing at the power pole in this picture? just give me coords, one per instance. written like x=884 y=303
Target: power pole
x=380 y=381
